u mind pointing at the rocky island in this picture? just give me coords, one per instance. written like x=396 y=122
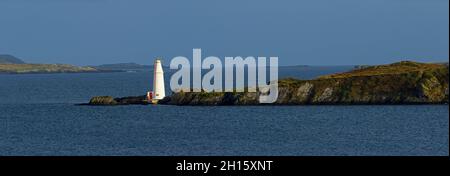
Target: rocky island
x=404 y=82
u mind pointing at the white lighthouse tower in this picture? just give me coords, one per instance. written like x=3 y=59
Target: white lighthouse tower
x=158 y=81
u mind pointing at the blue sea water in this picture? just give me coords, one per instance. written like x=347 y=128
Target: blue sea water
x=38 y=117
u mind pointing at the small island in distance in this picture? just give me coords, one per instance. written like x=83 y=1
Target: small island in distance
x=404 y=82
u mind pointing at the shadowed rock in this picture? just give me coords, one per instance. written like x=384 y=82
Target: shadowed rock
x=103 y=100
x=109 y=100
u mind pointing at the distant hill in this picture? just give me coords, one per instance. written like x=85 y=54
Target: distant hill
x=12 y=65
x=9 y=59
x=123 y=66
x=44 y=68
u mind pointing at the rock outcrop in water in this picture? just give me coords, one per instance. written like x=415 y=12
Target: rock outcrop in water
x=399 y=83
x=108 y=100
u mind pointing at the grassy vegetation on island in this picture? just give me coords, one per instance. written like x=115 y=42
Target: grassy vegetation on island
x=404 y=67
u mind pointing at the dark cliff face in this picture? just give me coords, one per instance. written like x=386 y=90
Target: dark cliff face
x=398 y=83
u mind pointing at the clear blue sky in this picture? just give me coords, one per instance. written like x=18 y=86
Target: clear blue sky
x=300 y=32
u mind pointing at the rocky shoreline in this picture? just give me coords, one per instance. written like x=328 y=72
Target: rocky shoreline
x=399 y=83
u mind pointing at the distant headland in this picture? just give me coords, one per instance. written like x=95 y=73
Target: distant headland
x=12 y=65
x=403 y=82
